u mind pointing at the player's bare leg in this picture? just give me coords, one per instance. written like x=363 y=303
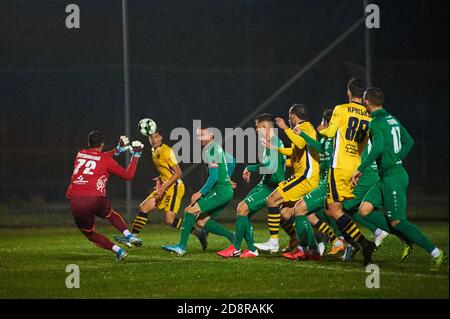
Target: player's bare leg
x=273 y=219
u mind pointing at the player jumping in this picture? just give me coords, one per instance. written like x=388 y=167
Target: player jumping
x=87 y=190
x=391 y=143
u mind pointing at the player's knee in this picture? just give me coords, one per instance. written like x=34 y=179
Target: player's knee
x=169 y=218
x=300 y=208
x=242 y=209
x=271 y=201
x=365 y=209
x=146 y=207
x=394 y=223
x=201 y=223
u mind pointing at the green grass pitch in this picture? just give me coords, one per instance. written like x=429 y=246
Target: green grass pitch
x=33 y=263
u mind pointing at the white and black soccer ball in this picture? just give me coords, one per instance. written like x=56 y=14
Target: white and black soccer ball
x=147 y=126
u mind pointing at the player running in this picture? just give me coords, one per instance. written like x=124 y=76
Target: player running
x=391 y=143
x=349 y=127
x=305 y=209
x=306 y=173
x=169 y=190
x=272 y=169
x=213 y=197
x=87 y=190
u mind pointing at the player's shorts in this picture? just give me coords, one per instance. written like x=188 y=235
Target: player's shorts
x=84 y=210
x=171 y=200
x=340 y=185
x=213 y=203
x=365 y=183
x=256 y=199
x=316 y=199
x=295 y=187
x=390 y=193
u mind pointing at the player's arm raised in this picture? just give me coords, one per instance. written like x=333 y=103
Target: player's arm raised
x=335 y=122
x=297 y=140
x=130 y=171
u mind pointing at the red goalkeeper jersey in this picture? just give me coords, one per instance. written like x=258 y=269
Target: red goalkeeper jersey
x=91 y=172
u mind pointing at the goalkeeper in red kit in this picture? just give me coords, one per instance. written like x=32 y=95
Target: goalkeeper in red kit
x=87 y=190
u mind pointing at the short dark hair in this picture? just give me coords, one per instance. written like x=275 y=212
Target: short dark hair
x=205 y=126
x=301 y=111
x=357 y=87
x=265 y=117
x=375 y=96
x=158 y=131
x=96 y=139
x=327 y=115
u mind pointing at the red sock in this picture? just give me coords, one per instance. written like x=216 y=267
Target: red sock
x=117 y=221
x=99 y=240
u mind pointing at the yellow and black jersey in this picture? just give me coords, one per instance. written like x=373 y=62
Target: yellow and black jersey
x=164 y=160
x=349 y=126
x=302 y=159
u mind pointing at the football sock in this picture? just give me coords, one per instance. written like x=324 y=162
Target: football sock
x=214 y=227
x=249 y=237
x=117 y=221
x=273 y=221
x=289 y=227
x=116 y=248
x=413 y=233
x=363 y=222
x=186 y=229
x=139 y=222
x=126 y=233
x=351 y=232
x=325 y=229
x=300 y=227
x=375 y=218
x=241 y=230
x=99 y=240
x=333 y=225
x=177 y=223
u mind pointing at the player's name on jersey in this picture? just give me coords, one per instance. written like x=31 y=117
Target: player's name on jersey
x=352 y=109
x=87 y=156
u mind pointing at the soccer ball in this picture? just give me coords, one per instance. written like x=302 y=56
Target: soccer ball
x=147 y=126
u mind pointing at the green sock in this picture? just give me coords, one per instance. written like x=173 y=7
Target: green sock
x=375 y=218
x=364 y=222
x=310 y=238
x=186 y=228
x=241 y=229
x=214 y=227
x=301 y=230
x=249 y=237
x=413 y=233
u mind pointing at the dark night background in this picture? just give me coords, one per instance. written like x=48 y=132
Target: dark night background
x=214 y=60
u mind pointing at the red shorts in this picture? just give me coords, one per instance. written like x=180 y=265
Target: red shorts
x=84 y=210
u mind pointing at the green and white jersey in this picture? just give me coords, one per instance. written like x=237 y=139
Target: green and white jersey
x=215 y=157
x=273 y=163
x=391 y=142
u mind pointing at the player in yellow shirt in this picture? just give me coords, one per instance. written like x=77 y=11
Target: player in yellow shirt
x=169 y=189
x=305 y=164
x=349 y=126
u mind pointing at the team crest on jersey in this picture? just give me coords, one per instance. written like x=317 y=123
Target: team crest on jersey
x=101 y=184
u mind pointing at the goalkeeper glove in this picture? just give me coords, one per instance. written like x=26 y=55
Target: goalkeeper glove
x=122 y=146
x=136 y=148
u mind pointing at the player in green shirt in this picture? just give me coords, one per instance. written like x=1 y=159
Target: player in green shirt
x=272 y=169
x=391 y=143
x=213 y=197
